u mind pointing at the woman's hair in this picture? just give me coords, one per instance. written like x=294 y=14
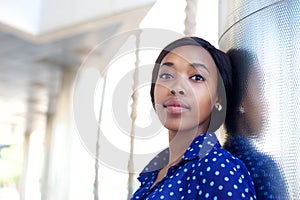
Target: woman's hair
x=224 y=87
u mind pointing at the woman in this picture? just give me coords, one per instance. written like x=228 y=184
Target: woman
x=188 y=95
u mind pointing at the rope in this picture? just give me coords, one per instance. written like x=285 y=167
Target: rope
x=190 y=17
x=96 y=181
x=133 y=116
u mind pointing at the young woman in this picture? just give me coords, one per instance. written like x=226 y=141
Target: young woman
x=189 y=84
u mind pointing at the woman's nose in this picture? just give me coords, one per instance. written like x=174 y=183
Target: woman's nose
x=179 y=86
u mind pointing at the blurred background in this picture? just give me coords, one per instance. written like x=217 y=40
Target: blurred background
x=43 y=43
x=63 y=61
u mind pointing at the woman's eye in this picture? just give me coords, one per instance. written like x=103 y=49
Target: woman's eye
x=197 y=77
x=165 y=76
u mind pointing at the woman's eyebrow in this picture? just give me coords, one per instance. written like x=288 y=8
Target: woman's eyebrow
x=199 y=65
x=168 y=64
x=194 y=65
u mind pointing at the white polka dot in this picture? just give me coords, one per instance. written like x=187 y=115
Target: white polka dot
x=206 y=195
x=204 y=180
x=214 y=159
x=226 y=178
x=217 y=173
x=243 y=195
x=189 y=191
x=185 y=170
x=170 y=185
x=171 y=193
x=246 y=190
x=229 y=194
x=179 y=182
x=212 y=183
x=208 y=169
x=240 y=180
x=223 y=165
x=180 y=189
x=220 y=187
x=215 y=198
x=162 y=197
x=235 y=187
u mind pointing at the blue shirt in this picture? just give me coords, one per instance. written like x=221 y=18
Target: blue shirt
x=206 y=171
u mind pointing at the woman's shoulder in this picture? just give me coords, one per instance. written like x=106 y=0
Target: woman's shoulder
x=221 y=163
x=225 y=175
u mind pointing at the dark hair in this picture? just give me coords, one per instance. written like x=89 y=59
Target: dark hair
x=224 y=76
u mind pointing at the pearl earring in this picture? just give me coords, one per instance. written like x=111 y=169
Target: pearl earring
x=219 y=107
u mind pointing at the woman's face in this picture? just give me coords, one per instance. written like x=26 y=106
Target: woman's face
x=191 y=72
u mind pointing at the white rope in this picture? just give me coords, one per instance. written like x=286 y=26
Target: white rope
x=190 y=17
x=96 y=181
x=133 y=116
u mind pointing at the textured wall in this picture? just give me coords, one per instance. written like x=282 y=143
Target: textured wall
x=263 y=40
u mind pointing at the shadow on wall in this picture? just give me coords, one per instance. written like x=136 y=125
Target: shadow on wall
x=247 y=112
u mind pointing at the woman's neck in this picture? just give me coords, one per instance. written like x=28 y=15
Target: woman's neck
x=179 y=142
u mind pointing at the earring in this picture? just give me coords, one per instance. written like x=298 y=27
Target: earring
x=241 y=109
x=218 y=106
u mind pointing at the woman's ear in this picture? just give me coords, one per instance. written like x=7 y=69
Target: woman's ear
x=218 y=115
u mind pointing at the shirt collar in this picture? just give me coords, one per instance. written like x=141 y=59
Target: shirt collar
x=201 y=146
x=198 y=149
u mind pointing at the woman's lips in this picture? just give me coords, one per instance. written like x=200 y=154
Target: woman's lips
x=175 y=106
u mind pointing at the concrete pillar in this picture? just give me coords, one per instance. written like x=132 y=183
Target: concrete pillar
x=58 y=143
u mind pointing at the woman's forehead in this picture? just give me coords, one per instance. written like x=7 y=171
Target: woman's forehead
x=191 y=54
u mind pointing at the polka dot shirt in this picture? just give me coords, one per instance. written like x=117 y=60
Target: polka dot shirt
x=206 y=171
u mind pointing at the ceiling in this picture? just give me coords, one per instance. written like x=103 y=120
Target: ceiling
x=31 y=67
